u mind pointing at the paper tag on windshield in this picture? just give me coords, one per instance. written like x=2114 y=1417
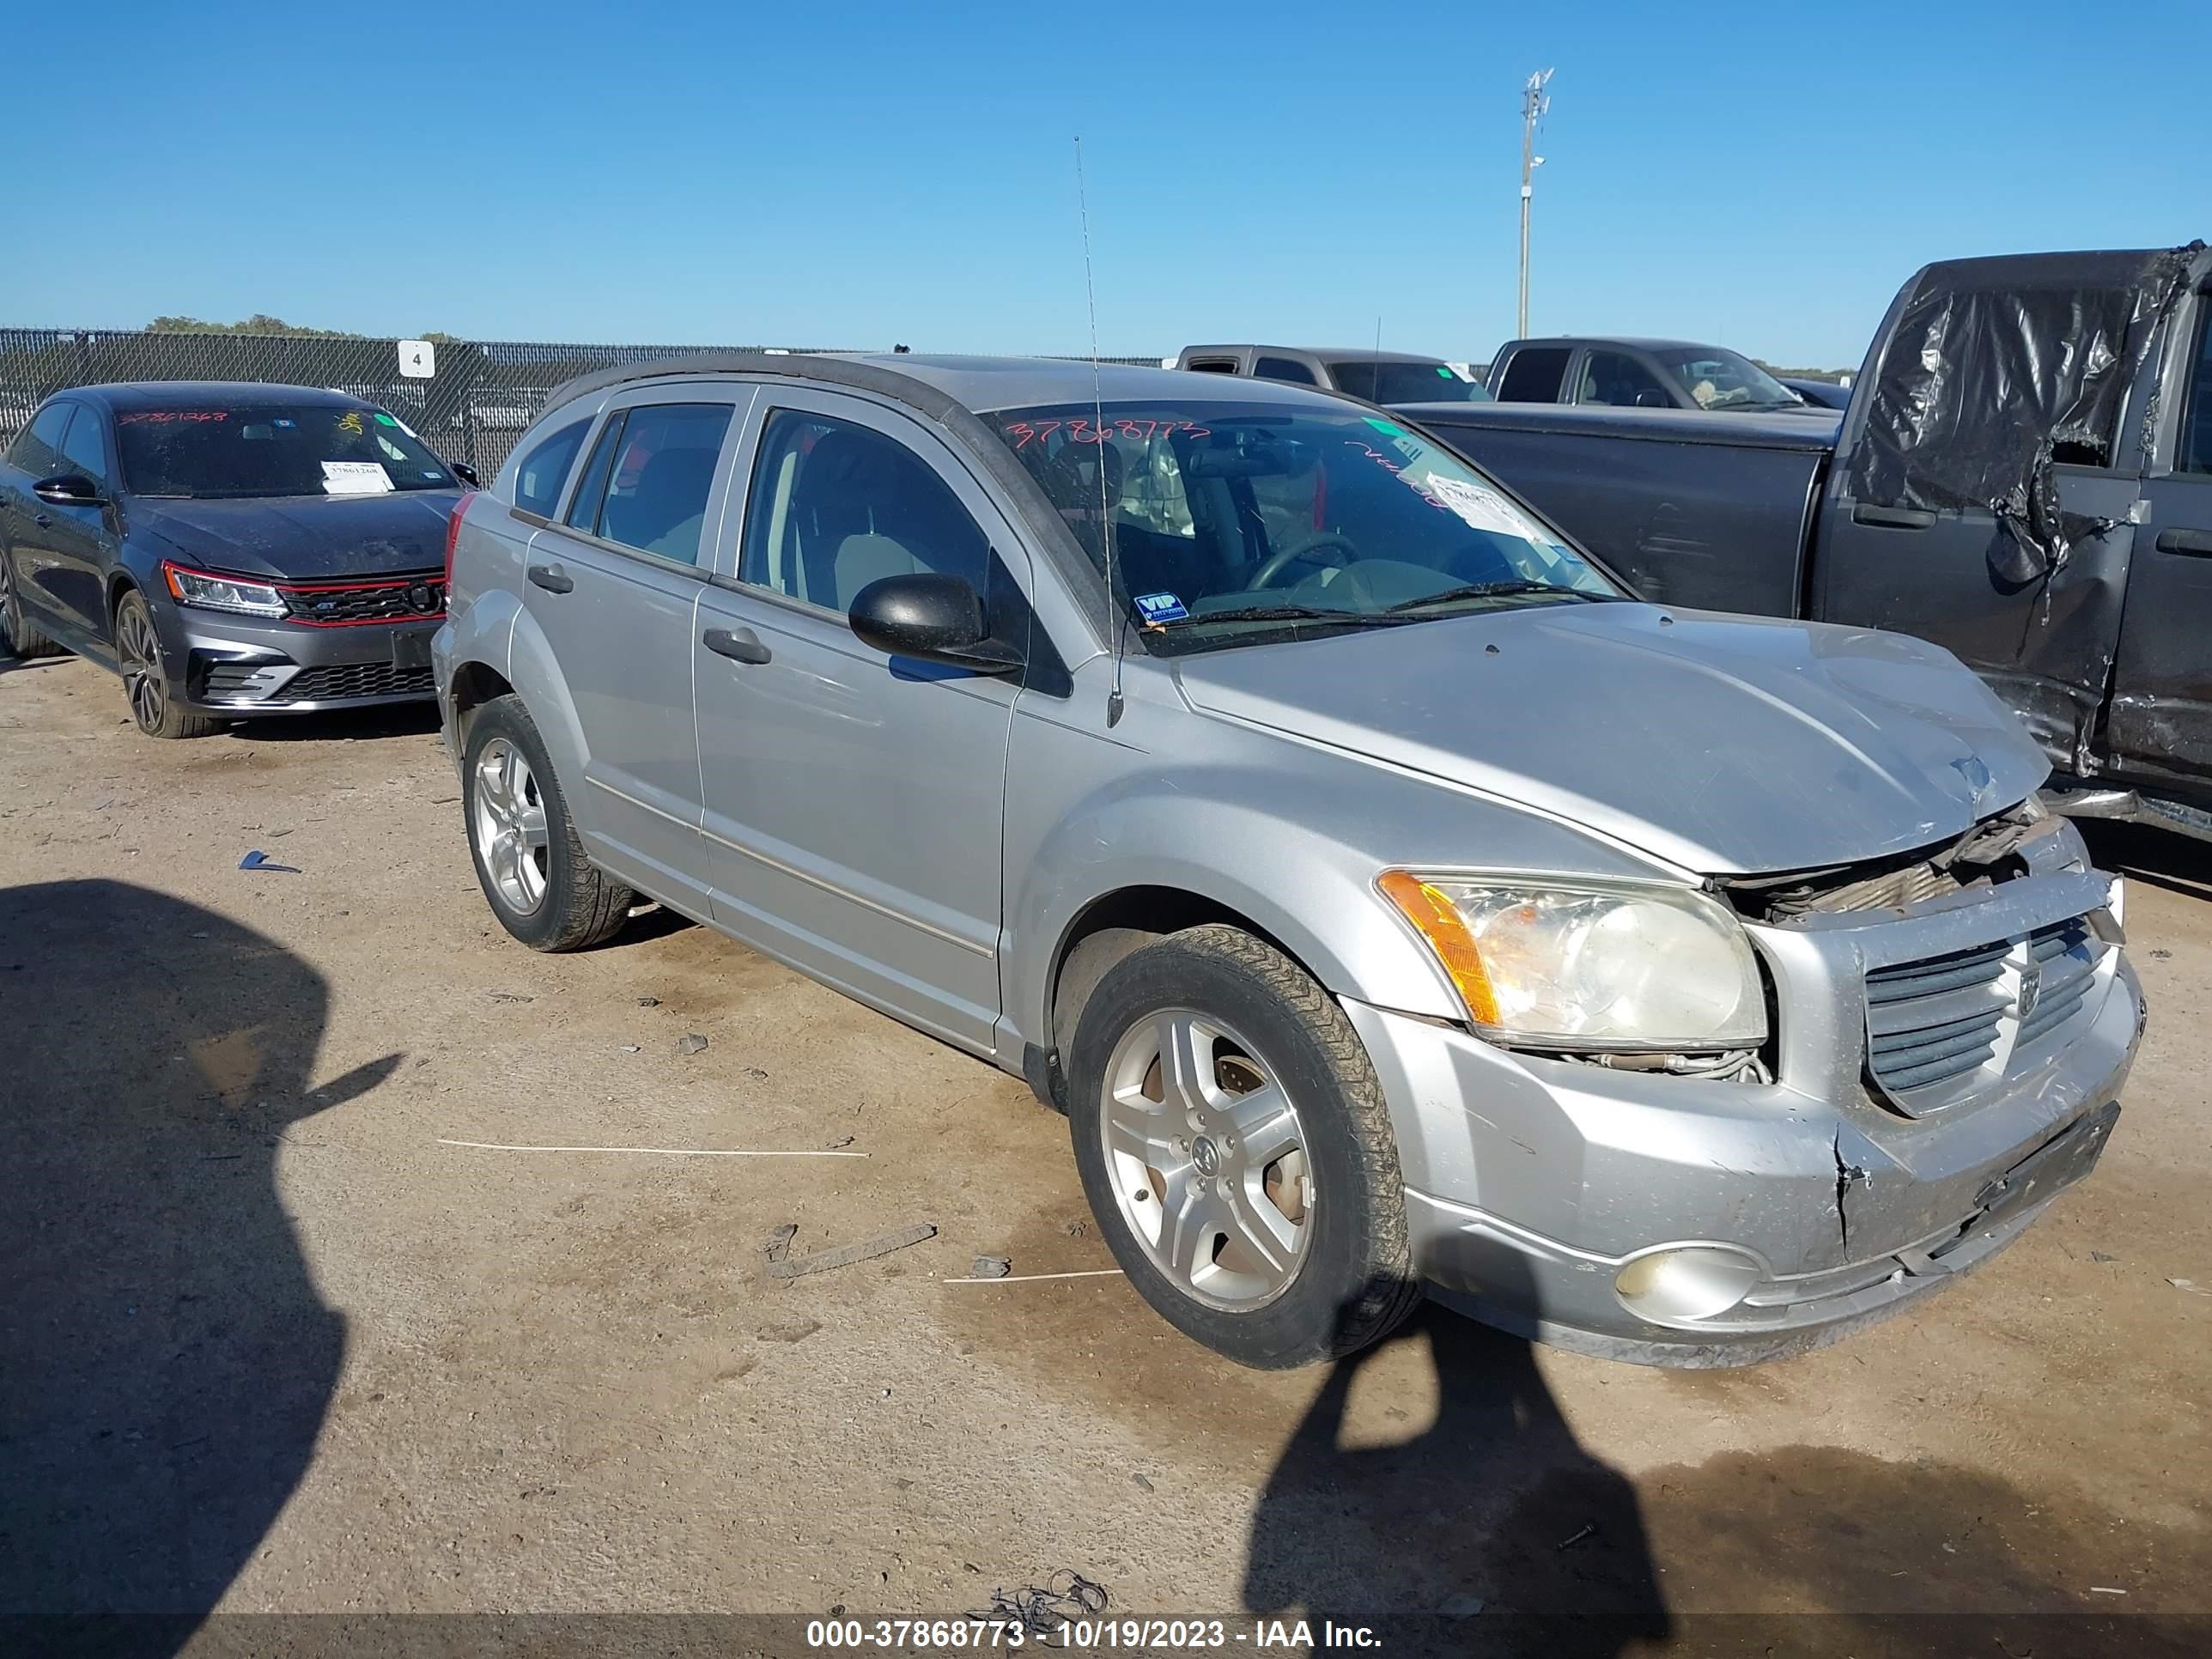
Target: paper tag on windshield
x=356 y=478
x=1483 y=508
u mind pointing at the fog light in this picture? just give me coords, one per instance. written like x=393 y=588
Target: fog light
x=1697 y=1281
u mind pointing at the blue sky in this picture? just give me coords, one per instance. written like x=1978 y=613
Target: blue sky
x=853 y=174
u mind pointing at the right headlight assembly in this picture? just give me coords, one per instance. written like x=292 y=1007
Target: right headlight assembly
x=1564 y=964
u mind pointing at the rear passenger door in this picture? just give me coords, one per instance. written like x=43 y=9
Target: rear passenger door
x=1533 y=374
x=613 y=586
x=854 y=801
x=2161 y=721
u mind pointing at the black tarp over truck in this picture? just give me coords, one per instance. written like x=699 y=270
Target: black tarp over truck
x=2024 y=475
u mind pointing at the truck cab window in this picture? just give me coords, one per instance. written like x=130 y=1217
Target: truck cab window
x=2196 y=418
x=1282 y=368
x=1609 y=378
x=1534 y=375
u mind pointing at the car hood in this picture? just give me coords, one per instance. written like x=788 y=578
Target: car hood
x=1725 y=745
x=304 y=537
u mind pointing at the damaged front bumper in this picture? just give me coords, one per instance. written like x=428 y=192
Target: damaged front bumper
x=1680 y=1221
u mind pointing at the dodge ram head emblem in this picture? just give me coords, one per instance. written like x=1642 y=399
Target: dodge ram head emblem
x=2030 y=988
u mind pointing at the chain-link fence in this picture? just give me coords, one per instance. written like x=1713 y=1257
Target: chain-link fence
x=470 y=399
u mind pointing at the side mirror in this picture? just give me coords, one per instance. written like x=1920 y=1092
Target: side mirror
x=934 y=619
x=1648 y=399
x=465 y=473
x=68 y=490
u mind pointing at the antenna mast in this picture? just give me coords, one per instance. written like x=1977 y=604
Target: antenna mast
x=1115 y=620
x=1536 y=102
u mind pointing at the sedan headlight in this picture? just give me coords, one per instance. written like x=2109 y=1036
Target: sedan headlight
x=222 y=592
x=1569 y=965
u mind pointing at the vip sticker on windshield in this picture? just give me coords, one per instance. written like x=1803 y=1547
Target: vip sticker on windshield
x=356 y=478
x=1157 y=608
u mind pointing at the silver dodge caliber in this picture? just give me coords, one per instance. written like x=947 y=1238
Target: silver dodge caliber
x=1387 y=897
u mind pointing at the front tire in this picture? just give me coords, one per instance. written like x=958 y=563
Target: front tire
x=528 y=860
x=1236 y=1148
x=145 y=682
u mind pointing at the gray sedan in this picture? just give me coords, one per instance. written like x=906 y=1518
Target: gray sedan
x=1388 y=898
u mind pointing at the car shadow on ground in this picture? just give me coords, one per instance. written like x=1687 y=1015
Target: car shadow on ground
x=1490 y=1529
x=168 y=1361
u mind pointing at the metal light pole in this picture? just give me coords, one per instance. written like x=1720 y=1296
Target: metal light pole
x=1534 y=102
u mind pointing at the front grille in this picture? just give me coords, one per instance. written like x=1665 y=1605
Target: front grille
x=366 y=679
x=1934 y=1021
x=387 y=599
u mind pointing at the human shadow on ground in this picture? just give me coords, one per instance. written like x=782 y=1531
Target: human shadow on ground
x=166 y=1360
x=1466 y=1536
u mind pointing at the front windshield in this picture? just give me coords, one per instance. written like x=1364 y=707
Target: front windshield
x=1236 y=522
x=272 y=449
x=1722 y=379
x=1406 y=383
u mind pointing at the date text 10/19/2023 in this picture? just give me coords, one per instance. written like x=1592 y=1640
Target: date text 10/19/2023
x=1084 y=1635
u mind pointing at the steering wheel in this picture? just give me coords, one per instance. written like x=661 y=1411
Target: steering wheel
x=1283 y=557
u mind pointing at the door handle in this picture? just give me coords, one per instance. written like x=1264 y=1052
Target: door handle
x=1891 y=518
x=737 y=644
x=2184 y=541
x=552 y=578
x=44 y=520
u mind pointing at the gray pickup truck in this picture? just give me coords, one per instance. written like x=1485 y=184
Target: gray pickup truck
x=2024 y=475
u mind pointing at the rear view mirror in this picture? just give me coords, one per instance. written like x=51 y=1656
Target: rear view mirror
x=932 y=618
x=68 y=490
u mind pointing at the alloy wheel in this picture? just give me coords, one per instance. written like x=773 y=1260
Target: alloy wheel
x=142 y=679
x=1207 y=1157
x=510 y=826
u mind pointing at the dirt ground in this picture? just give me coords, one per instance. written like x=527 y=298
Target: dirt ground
x=269 y=1345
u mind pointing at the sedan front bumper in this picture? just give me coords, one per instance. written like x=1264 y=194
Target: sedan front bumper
x=1533 y=1183
x=250 y=667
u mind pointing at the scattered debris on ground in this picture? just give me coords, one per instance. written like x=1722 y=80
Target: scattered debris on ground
x=844 y=1255
x=778 y=1244
x=991 y=1267
x=258 y=859
x=1041 y=1609
x=690 y=1043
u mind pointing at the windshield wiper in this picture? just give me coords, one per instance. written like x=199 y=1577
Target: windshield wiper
x=1494 y=590
x=1287 y=613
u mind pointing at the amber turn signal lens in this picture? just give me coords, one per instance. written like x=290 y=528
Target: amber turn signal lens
x=1437 y=920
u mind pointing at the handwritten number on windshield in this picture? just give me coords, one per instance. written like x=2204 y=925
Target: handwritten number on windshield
x=1080 y=431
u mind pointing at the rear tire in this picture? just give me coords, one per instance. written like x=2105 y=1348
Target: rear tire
x=145 y=681
x=19 y=635
x=529 y=861
x=1251 y=1191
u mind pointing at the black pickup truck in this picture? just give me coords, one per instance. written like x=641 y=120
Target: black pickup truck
x=2024 y=475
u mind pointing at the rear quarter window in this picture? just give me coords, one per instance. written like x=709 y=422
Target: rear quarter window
x=540 y=474
x=1533 y=374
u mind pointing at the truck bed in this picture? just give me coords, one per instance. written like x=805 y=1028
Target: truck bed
x=1705 y=510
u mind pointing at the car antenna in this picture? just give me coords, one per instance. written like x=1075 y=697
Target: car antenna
x=1098 y=412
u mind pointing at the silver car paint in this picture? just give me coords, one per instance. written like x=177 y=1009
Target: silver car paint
x=1278 y=780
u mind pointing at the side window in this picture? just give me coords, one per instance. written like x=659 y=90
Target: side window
x=1356 y=380
x=1609 y=378
x=836 y=506
x=38 y=448
x=537 y=480
x=85 y=449
x=591 y=488
x=2197 y=420
x=1282 y=368
x=1534 y=375
x=1212 y=366
x=660 y=475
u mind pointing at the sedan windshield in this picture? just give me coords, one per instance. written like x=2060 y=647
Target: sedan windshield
x=1234 y=522
x=1722 y=379
x=272 y=449
x=1406 y=383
